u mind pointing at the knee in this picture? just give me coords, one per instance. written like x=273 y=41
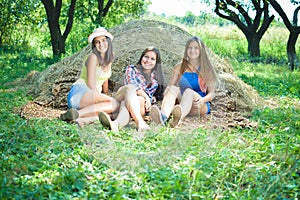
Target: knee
x=173 y=91
x=115 y=105
x=131 y=87
x=125 y=91
x=188 y=92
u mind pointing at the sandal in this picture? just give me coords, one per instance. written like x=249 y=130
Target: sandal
x=71 y=115
x=105 y=120
x=175 y=116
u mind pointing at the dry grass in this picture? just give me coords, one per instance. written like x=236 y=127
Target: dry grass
x=51 y=86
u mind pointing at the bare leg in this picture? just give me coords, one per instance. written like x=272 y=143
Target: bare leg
x=169 y=100
x=128 y=93
x=91 y=98
x=123 y=117
x=187 y=101
x=93 y=110
x=90 y=105
x=89 y=114
x=86 y=120
x=183 y=109
x=142 y=105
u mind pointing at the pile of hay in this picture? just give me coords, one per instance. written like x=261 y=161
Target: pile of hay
x=50 y=87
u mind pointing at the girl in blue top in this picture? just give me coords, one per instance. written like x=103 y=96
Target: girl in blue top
x=192 y=84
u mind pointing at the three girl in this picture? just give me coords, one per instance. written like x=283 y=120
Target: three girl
x=192 y=84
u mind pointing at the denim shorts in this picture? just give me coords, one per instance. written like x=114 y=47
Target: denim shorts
x=75 y=95
x=208 y=107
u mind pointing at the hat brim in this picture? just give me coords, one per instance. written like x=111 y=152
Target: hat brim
x=100 y=33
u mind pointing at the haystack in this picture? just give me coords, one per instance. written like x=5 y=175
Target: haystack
x=50 y=87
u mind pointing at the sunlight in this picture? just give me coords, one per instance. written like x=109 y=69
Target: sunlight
x=176 y=7
x=180 y=7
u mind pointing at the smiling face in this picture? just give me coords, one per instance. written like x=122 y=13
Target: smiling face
x=193 y=50
x=148 y=61
x=101 y=44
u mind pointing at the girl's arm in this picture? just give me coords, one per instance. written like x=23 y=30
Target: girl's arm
x=105 y=87
x=209 y=97
x=142 y=93
x=174 y=80
x=175 y=75
x=91 y=64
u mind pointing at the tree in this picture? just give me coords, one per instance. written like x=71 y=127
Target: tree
x=53 y=14
x=94 y=10
x=16 y=17
x=189 y=19
x=122 y=11
x=253 y=29
x=294 y=30
x=115 y=11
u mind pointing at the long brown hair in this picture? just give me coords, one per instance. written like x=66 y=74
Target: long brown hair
x=207 y=71
x=109 y=55
x=157 y=68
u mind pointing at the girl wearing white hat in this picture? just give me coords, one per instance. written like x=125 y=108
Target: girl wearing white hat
x=87 y=96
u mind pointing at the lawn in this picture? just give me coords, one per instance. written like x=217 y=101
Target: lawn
x=51 y=159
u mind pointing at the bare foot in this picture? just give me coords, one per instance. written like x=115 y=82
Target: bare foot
x=143 y=127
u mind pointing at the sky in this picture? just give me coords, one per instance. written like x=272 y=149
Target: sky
x=180 y=7
x=175 y=7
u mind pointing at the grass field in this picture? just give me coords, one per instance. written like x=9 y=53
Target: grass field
x=50 y=159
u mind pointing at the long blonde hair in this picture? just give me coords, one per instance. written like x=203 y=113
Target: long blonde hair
x=207 y=71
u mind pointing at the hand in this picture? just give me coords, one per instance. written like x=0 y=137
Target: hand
x=198 y=102
x=147 y=104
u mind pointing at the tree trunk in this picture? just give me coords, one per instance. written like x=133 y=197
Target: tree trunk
x=294 y=30
x=291 y=50
x=253 y=45
x=53 y=13
x=102 y=10
x=254 y=28
x=58 y=44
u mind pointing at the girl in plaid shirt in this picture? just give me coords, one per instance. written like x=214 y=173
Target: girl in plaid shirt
x=143 y=86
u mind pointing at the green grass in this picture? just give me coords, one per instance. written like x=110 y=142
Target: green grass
x=50 y=159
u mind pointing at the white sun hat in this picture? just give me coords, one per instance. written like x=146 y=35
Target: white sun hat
x=98 y=32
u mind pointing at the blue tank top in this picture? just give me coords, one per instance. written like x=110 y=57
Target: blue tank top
x=190 y=80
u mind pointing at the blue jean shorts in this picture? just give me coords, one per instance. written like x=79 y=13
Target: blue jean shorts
x=75 y=95
x=208 y=107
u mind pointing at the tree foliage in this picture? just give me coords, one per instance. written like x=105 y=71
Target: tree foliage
x=27 y=17
x=94 y=11
x=15 y=18
x=112 y=13
x=253 y=28
x=122 y=11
